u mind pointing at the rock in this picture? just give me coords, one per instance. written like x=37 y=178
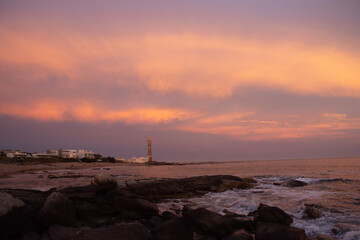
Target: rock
x=174 y=229
x=31 y=236
x=311 y=212
x=105 y=182
x=274 y=215
x=58 y=209
x=168 y=215
x=295 y=183
x=269 y=230
x=8 y=203
x=143 y=207
x=239 y=235
x=11 y=210
x=128 y=231
x=324 y=237
x=244 y=222
x=187 y=187
x=208 y=222
x=92 y=216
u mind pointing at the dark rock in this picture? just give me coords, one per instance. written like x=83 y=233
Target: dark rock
x=239 y=235
x=311 y=212
x=273 y=214
x=324 y=237
x=11 y=209
x=208 y=222
x=143 y=207
x=232 y=214
x=188 y=187
x=128 y=231
x=31 y=236
x=152 y=222
x=252 y=213
x=105 y=182
x=244 y=222
x=295 y=183
x=168 y=215
x=91 y=215
x=58 y=209
x=174 y=229
x=268 y=230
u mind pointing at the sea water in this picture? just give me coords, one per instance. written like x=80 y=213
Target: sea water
x=332 y=183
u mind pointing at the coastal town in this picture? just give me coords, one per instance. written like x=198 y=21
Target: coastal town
x=73 y=155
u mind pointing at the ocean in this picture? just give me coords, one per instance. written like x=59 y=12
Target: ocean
x=332 y=183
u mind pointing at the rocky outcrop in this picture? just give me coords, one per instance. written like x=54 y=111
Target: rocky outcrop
x=58 y=209
x=188 y=187
x=239 y=235
x=267 y=213
x=128 y=231
x=270 y=230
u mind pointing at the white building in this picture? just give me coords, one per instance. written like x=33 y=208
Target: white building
x=67 y=153
x=41 y=155
x=84 y=154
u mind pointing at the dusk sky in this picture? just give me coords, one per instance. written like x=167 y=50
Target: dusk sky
x=208 y=80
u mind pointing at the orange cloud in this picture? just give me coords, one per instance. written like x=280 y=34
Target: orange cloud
x=87 y=112
x=199 y=65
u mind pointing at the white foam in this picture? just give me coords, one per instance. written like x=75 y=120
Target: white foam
x=352 y=235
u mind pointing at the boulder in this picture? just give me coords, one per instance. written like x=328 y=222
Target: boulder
x=8 y=203
x=269 y=230
x=141 y=206
x=104 y=182
x=239 y=235
x=311 y=212
x=273 y=214
x=58 y=209
x=11 y=210
x=92 y=216
x=324 y=237
x=174 y=229
x=207 y=222
x=295 y=183
x=244 y=222
x=128 y=231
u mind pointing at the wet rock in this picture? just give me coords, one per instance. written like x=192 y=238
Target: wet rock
x=269 y=230
x=231 y=214
x=143 y=207
x=295 y=183
x=58 y=209
x=239 y=235
x=128 y=231
x=208 y=222
x=174 y=229
x=273 y=214
x=311 y=212
x=105 y=182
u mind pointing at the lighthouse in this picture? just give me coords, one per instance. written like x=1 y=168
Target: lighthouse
x=149 y=149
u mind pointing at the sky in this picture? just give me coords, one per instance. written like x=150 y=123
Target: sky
x=208 y=80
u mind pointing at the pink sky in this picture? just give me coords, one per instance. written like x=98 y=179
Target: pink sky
x=264 y=75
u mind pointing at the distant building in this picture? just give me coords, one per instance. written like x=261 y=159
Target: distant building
x=84 y=154
x=138 y=160
x=42 y=155
x=53 y=153
x=67 y=153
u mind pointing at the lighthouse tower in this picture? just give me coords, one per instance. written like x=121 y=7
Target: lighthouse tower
x=149 y=149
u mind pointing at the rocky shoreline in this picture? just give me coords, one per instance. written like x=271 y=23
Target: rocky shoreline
x=104 y=210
